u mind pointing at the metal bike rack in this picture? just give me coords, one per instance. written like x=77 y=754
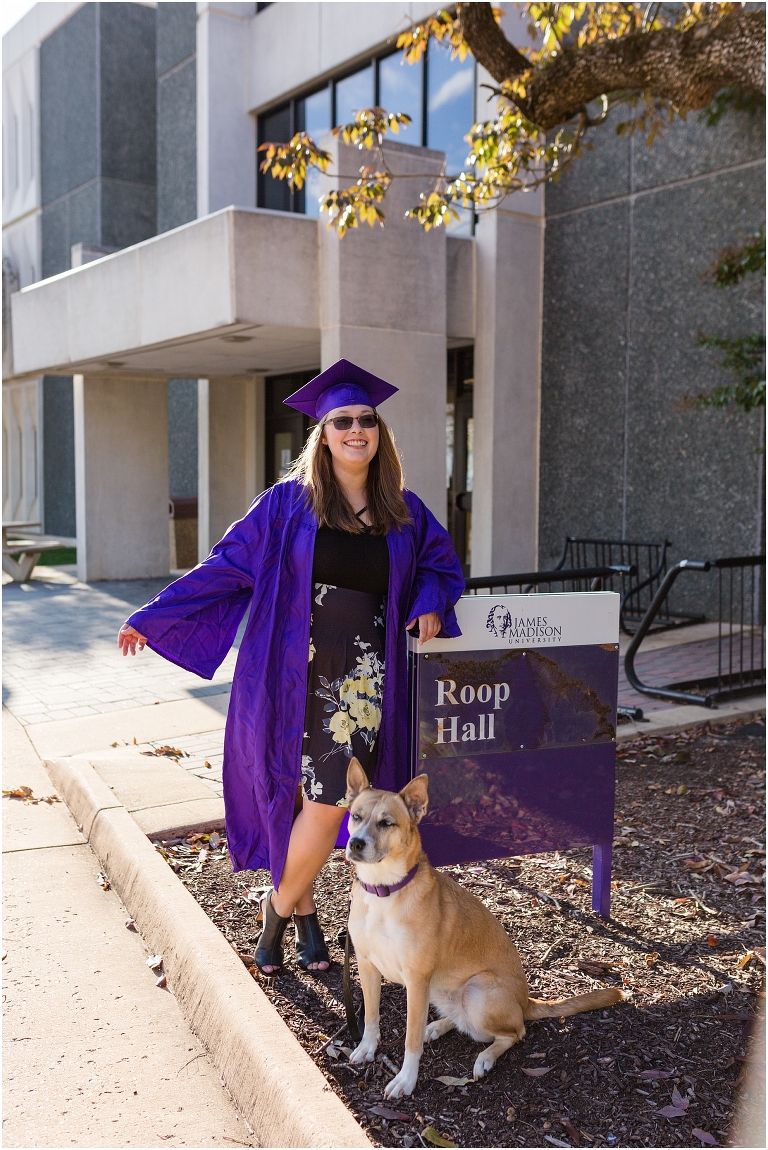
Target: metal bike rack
x=740 y=637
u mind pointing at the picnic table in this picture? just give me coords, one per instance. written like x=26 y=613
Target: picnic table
x=22 y=551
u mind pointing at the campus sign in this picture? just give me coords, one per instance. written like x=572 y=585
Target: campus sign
x=515 y=724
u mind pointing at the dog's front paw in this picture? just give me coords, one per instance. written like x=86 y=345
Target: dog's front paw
x=366 y=1051
x=404 y=1082
x=483 y=1063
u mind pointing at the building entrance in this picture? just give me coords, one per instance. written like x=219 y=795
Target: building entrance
x=286 y=429
x=460 y=453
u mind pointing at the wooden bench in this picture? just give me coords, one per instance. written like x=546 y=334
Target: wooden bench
x=21 y=553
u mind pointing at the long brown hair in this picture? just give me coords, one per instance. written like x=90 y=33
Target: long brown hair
x=383 y=488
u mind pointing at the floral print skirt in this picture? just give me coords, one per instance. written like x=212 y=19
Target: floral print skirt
x=344 y=690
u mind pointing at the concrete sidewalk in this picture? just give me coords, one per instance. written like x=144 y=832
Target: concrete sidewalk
x=94 y=1054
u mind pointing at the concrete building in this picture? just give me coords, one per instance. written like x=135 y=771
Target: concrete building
x=161 y=297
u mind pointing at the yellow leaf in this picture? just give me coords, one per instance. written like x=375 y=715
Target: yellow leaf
x=431 y=1135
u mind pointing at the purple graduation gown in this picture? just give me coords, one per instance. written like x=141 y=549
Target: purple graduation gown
x=265 y=561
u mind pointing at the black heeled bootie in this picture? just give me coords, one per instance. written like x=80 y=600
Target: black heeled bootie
x=310 y=944
x=269 y=948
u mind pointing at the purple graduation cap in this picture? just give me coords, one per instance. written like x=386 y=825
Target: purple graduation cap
x=341 y=385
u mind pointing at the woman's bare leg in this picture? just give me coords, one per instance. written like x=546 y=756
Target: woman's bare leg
x=313 y=836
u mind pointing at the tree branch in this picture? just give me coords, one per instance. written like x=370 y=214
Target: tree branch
x=686 y=68
x=488 y=44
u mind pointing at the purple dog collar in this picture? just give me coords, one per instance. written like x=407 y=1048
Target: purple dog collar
x=386 y=891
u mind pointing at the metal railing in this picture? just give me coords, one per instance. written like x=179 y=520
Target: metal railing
x=573 y=579
x=648 y=561
x=740 y=634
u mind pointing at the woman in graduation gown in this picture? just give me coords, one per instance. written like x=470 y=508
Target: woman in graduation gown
x=336 y=562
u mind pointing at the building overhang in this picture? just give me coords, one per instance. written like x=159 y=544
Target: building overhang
x=232 y=294
x=235 y=293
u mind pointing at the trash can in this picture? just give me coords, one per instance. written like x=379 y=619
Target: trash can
x=183 y=528
x=515 y=725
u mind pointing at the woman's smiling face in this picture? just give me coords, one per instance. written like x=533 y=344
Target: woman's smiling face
x=355 y=447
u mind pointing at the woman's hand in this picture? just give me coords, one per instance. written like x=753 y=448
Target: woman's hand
x=128 y=639
x=429 y=626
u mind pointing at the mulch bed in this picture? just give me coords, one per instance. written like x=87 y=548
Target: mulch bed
x=687 y=918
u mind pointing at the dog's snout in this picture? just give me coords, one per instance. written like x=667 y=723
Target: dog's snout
x=357 y=845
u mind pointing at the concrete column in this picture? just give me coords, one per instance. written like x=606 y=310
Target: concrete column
x=505 y=500
x=230 y=467
x=121 y=478
x=383 y=305
x=226 y=132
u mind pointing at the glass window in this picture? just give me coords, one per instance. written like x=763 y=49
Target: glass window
x=450 y=104
x=353 y=94
x=400 y=90
x=274 y=128
x=317 y=114
x=450 y=115
x=315 y=120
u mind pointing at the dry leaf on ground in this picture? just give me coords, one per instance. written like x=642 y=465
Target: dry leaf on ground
x=431 y=1135
x=390 y=1115
x=26 y=796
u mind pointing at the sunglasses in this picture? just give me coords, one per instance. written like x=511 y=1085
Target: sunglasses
x=344 y=422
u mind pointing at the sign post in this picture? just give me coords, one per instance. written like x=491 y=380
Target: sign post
x=515 y=724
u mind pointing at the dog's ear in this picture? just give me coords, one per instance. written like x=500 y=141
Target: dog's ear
x=416 y=798
x=357 y=780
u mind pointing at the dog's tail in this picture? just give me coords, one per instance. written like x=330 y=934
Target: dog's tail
x=595 y=1000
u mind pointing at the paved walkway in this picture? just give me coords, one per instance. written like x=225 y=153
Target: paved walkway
x=60 y=654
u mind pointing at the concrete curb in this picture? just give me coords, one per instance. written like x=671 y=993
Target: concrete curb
x=274 y=1083
x=673 y=719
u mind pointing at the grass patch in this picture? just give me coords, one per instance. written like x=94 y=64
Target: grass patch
x=64 y=555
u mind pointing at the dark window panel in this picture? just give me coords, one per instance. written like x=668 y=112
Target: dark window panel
x=459 y=460
x=274 y=128
x=286 y=430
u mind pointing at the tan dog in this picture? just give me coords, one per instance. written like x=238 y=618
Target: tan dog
x=433 y=937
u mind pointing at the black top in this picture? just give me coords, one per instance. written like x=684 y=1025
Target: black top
x=359 y=562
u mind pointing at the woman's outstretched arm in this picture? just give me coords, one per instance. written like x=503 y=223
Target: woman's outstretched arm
x=193 y=621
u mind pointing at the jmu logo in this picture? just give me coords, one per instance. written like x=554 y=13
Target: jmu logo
x=499 y=621
x=525 y=630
